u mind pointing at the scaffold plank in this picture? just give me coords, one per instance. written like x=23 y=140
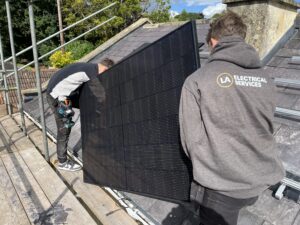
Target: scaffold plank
x=36 y=205
x=105 y=209
x=44 y=196
x=11 y=209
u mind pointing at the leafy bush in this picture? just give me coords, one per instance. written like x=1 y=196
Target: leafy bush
x=45 y=48
x=79 y=48
x=59 y=59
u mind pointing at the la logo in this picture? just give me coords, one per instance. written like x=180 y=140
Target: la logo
x=225 y=80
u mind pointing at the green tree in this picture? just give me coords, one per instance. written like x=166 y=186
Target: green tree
x=45 y=23
x=157 y=11
x=184 y=15
x=126 y=13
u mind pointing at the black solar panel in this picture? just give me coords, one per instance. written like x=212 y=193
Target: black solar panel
x=129 y=119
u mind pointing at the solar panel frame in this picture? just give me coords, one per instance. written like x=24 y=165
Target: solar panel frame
x=129 y=119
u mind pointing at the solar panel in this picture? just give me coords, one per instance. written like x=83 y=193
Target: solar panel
x=129 y=119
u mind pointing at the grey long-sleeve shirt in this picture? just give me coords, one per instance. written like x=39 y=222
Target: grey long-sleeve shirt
x=226 y=114
x=68 y=80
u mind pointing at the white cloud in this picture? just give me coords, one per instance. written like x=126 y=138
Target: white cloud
x=211 y=10
x=173 y=13
x=201 y=2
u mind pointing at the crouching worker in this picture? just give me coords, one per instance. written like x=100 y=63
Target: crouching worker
x=226 y=114
x=63 y=86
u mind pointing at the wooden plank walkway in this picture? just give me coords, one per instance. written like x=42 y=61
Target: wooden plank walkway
x=104 y=208
x=30 y=190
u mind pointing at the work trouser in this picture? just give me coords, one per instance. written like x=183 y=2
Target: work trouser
x=63 y=133
x=214 y=208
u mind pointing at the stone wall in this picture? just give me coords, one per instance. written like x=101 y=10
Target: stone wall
x=267 y=20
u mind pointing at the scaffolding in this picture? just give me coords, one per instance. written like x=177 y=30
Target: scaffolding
x=4 y=74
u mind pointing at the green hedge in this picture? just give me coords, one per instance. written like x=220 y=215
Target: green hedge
x=74 y=51
x=79 y=48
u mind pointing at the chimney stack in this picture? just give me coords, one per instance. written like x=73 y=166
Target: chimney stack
x=267 y=20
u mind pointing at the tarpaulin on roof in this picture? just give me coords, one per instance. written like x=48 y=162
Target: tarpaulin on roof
x=129 y=120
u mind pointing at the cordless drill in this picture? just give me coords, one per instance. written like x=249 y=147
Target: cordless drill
x=66 y=112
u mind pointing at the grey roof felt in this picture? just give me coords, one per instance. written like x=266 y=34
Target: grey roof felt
x=267 y=210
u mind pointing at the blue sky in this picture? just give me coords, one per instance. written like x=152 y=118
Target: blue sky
x=178 y=6
x=194 y=5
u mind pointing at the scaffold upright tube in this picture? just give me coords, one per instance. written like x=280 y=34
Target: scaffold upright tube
x=38 y=80
x=12 y=45
x=3 y=71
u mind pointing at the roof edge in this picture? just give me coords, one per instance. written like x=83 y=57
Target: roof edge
x=114 y=39
x=280 y=43
x=32 y=91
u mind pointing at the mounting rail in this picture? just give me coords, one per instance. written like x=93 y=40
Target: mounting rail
x=281 y=82
x=289 y=113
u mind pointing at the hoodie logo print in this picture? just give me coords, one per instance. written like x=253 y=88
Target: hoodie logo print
x=225 y=80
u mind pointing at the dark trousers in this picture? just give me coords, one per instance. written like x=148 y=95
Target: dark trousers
x=63 y=133
x=214 y=208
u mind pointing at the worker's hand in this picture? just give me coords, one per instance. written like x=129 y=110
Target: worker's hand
x=64 y=109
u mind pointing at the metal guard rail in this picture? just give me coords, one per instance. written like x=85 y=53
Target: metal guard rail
x=57 y=33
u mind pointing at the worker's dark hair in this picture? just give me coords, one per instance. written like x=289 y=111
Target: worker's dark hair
x=107 y=62
x=228 y=24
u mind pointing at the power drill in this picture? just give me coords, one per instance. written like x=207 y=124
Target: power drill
x=66 y=112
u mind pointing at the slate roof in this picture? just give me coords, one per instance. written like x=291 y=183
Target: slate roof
x=287 y=132
x=27 y=81
x=267 y=210
x=145 y=35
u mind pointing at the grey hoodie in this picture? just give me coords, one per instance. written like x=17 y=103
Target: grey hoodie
x=226 y=114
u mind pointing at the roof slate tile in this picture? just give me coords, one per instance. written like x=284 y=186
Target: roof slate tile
x=27 y=81
x=293 y=44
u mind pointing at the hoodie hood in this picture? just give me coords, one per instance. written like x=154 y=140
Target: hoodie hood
x=233 y=49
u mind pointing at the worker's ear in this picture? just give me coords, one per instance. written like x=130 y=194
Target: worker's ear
x=213 y=42
x=102 y=68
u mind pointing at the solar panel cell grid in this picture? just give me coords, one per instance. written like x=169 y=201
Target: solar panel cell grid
x=131 y=131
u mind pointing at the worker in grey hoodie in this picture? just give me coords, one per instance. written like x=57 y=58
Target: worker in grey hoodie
x=226 y=114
